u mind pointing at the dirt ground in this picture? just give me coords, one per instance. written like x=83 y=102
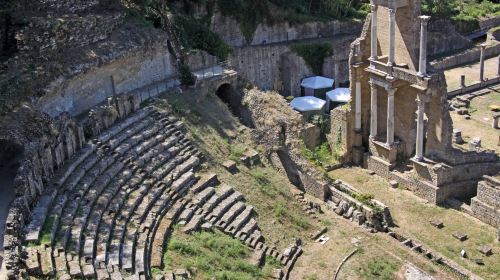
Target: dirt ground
x=412 y=215
x=479 y=124
x=471 y=72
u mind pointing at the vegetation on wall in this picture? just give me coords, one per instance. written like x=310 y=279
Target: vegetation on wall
x=195 y=34
x=187 y=77
x=314 y=54
x=464 y=13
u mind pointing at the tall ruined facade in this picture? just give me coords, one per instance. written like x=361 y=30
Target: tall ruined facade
x=399 y=111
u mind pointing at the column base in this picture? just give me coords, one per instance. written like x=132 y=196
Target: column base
x=417 y=159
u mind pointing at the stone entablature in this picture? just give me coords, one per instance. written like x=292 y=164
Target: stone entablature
x=486 y=205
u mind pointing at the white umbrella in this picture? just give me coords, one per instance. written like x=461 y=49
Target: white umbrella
x=307 y=103
x=340 y=95
x=317 y=82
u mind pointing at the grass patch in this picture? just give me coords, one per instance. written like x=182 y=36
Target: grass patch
x=45 y=234
x=380 y=268
x=214 y=255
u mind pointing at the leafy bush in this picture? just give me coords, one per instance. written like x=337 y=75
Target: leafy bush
x=322 y=155
x=195 y=34
x=464 y=13
x=313 y=54
x=187 y=77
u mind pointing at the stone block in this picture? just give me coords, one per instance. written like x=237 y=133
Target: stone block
x=394 y=184
x=230 y=166
x=437 y=223
x=485 y=250
x=250 y=158
x=475 y=144
x=460 y=236
x=457 y=136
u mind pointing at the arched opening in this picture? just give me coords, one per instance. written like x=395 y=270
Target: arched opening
x=11 y=155
x=228 y=95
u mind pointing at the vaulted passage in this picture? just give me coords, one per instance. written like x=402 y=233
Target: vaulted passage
x=10 y=157
x=291 y=171
x=228 y=95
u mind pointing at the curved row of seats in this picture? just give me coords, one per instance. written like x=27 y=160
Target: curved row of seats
x=109 y=211
x=96 y=217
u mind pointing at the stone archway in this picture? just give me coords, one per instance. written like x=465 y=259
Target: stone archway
x=11 y=155
x=230 y=97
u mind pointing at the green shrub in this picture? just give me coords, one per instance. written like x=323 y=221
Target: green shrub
x=314 y=54
x=187 y=77
x=196 y=34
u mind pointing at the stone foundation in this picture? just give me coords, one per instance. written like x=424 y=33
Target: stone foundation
x=486 y=205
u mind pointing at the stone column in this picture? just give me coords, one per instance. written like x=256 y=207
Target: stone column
x=462 y=81
x=390 y=116
x=374 y=39
x=419 y=149
x=422 y=68
x=498 y=71
x=481 y=63
x=392 y=36
x=373 y=111
x=357 y=117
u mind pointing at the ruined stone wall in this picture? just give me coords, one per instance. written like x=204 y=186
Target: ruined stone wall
x=486 y=205
x=278 y=129
x=444 y=39
x=47 y=143
x=340 y=127
x=228 y=29
x=276 y=67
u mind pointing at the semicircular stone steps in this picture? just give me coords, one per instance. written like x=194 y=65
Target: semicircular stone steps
x=99 y=210
x=109 y=211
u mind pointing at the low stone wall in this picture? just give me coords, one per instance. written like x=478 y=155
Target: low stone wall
x=474 y=87
x=468 y=56
x=486 y=205
x=375 y=213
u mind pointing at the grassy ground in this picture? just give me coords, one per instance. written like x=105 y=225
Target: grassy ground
x=471 y=72
x=412 y=215
x=210 y=255
x=480 y=123
x=378 y=257
x=221 y=136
